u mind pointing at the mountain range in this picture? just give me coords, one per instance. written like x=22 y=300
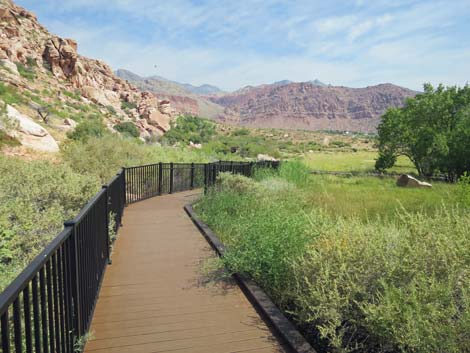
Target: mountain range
x=310 y=105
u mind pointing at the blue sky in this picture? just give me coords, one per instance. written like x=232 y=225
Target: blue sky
x=248 y=42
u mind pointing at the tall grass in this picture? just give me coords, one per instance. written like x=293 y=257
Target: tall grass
x=361 y=284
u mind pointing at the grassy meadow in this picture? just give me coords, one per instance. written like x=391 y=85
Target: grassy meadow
x=362 y=161
x=360 y=264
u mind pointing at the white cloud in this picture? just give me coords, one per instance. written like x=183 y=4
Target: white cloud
x=235 y=43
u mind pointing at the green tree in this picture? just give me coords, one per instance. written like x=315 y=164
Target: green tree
x=431 y=130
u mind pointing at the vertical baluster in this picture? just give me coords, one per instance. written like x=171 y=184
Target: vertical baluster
x=5 y=327
x=42 y=289
x=17 y=326
x=50 y=308
x=27 y=320
x=37 y=328
x=56 y=301
x=60 y=283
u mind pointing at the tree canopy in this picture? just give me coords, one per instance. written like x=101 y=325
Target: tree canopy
x=432 y=129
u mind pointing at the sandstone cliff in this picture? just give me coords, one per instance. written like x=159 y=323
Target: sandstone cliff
x=310 y=106
x=46 y=72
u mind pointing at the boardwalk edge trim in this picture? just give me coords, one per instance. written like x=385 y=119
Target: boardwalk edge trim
x=286 y=329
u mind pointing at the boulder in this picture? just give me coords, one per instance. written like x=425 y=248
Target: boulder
x=61 y=57
x=9 y=65
x=197 y=146
x=406 y=180
x=101 y=96
x=265 y=157
x=160 y=120
x=31 y=134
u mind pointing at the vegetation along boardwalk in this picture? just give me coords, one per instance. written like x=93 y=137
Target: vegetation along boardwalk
x=155 y=297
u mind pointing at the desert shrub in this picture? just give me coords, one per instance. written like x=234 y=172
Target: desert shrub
x=35 y=199
x=128 y=129
x=111 y=109
x=88 y=129
x=128 y=105
x=26 y=72
x=190 y=128
x=235 y=183
x=241 y=132
x=103 y=157
x=387 y=288
x=74 y=95
x=359 y=285
x=340 y=144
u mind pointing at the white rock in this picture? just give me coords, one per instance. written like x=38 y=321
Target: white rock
x=195 y=145
x=406 y=180
x=9 y=65
x=31 y=134
x=265 y=157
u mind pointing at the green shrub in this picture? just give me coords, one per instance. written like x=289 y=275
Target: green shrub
x=128 y=105
x=111 y=109
x=463 y=190
x=128 y=129
x=74 y=95
x=241 y=132
x=190 y=128
x=387 y=288
x=87 y=129
x=26 y=72
x=35 y=199
x=340 y=144
x=103 y=157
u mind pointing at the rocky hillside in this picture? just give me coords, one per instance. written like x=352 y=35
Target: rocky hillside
x=48 y=87
x=185 y=98
x=311 y=106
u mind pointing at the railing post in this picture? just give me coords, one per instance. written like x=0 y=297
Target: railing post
x=123 y=190
x=75 y=290
x=160 y=178
x=192 y=176
x=106 y=215
x=214 y=173
x=206 y=177
x=171 y=176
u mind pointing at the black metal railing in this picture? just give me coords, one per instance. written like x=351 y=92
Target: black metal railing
x=50 y=305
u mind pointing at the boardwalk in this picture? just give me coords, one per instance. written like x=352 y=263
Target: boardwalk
x=155 y=297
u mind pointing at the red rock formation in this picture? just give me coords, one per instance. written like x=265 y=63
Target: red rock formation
x=307 y=106
x=23 y=39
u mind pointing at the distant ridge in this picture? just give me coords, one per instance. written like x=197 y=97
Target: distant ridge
x=309 y=105
x=157 y=82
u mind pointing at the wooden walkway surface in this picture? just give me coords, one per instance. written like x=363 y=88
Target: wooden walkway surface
x=156 y=298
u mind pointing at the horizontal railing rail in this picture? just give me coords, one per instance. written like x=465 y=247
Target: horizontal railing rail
x=50 y=305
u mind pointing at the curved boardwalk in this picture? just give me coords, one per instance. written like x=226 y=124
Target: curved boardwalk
x=156 y=298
